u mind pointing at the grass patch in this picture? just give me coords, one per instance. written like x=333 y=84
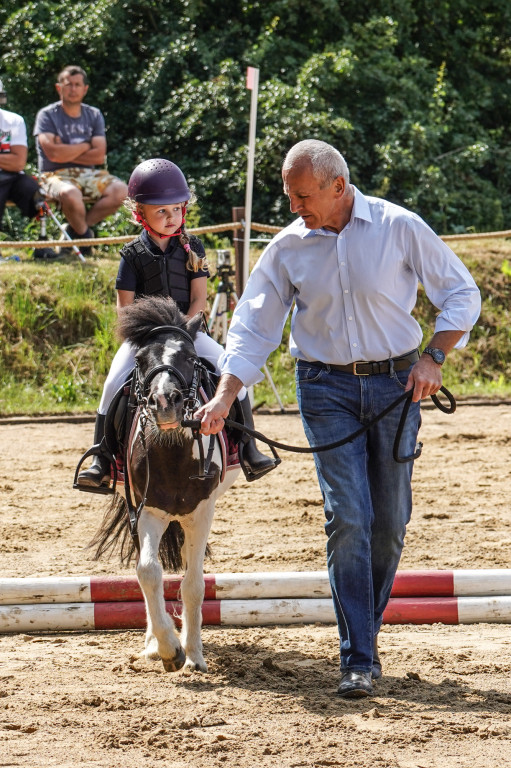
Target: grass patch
x=57 y=332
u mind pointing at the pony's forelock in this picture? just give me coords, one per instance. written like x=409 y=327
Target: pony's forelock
x=137 y=319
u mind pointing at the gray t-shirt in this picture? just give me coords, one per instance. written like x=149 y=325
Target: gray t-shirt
x=71 y=130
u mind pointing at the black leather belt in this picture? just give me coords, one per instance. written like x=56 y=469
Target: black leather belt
x=362 y=368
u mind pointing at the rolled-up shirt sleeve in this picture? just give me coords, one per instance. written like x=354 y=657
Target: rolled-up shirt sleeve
x=448 y=284
x=258 y=320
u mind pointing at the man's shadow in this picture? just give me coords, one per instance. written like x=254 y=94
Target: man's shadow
x=314 y=681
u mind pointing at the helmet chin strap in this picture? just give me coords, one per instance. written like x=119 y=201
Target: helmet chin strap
x=140 y=219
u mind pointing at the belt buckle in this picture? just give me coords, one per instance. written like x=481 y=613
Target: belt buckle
x=355 y=372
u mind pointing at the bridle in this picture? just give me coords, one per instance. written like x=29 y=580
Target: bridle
x=190 y=391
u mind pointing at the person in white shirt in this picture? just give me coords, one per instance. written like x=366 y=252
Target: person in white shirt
x=15 y=185
x=349 y=269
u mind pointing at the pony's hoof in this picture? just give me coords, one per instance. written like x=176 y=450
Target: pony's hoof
x=196 y=666
x=172 y=665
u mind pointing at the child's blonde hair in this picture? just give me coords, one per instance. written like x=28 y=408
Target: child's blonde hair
x=195 y=262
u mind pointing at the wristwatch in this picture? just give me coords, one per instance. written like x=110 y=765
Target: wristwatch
x=437 y=354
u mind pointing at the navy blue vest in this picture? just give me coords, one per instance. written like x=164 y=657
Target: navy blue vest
x=162 y=274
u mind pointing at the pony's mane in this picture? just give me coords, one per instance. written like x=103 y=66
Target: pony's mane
x=137 y=319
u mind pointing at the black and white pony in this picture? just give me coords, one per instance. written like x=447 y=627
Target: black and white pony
x=175 y=477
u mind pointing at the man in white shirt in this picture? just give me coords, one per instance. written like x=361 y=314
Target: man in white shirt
x=350 y=268
x=15 y=185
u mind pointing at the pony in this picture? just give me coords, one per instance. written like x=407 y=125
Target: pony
x=174 y=487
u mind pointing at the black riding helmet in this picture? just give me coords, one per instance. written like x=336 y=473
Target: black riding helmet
x=158 y=182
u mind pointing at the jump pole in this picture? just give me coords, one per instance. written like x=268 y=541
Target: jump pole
x=60 y=617
x=249 y=586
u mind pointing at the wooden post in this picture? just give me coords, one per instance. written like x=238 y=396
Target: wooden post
x=238 y=214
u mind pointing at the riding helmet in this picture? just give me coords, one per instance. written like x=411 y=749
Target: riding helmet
x=158 y=182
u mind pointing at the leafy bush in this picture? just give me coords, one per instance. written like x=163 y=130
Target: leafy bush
x=415 y=94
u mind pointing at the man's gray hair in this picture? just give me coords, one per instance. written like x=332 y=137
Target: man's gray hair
x=327 y=162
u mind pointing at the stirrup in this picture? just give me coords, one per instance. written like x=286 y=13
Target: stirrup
x=250 y=475
x=97 y=450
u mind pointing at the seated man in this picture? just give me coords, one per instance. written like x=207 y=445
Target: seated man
x=71 y=144
x=15 y=185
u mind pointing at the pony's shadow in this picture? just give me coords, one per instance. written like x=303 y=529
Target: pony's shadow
x=314 y=682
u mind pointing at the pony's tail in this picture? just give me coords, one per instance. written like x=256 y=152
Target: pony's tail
x=114 y=536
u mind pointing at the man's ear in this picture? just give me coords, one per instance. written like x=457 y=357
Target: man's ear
x=340 y=185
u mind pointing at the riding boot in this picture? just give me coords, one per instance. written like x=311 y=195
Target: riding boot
x=254 y=463
x=99 y=472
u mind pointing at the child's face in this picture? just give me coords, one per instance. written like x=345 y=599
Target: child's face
x=164 y=219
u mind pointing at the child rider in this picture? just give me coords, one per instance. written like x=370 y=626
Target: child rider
x=163 y=260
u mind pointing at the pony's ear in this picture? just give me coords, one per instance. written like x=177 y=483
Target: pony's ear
x=194 y=325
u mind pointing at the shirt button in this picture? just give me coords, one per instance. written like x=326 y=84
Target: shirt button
x=350 y=318
x=355 y=344
x=346 y=290
x=343 y=263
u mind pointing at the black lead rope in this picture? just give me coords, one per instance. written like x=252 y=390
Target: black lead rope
x=329 y=446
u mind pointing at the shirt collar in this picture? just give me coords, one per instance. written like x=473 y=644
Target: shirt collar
x=360 y=210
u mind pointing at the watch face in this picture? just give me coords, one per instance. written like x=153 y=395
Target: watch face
x=437 y=355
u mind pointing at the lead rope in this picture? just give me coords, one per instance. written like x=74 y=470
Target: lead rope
x=329 y=446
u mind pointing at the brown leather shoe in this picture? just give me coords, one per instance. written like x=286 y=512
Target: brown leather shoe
x=355 y=685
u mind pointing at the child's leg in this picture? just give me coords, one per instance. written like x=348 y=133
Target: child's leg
x=98 y=474
x=122 y=364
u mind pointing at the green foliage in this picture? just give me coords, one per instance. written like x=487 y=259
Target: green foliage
x=56 y=324
x=57 y=333
x=415 y=94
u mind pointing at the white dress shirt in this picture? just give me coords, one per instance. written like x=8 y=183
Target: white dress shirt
x=353 y=293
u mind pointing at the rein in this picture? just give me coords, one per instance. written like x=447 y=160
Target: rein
x=140 y=388
x=407 y=396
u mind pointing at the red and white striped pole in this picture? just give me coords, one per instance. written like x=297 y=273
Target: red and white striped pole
x=249 y=586
x=248 y=613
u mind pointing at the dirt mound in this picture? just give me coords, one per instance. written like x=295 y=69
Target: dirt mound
x=78 y=699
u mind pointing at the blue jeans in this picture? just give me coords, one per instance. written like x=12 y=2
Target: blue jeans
x=367 y=494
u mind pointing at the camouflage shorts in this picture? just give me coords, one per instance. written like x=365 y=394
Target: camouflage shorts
x=91 y=182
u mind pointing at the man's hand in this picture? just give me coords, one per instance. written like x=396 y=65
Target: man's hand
x=214 y=413
x=425 y=378
x=212 y=416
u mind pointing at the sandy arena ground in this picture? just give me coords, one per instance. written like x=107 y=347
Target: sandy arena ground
x=83 y=699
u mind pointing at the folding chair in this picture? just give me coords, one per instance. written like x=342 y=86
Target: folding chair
x=46 y=211
x=42 y=216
